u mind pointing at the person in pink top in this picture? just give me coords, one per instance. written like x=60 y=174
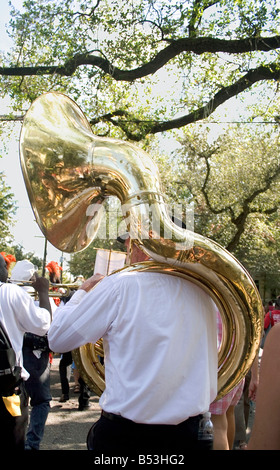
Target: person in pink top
x=222 y=410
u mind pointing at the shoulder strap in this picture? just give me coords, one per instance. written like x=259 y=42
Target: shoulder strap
x=4 y=338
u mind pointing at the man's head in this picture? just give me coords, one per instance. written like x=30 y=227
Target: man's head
x=23 y=271
x=134 y=253
x=3 y=270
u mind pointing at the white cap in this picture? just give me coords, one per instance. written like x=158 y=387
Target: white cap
x=23 y=271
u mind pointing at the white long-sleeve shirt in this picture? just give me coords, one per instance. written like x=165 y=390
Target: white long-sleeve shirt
x=18 y=315
x=160 y=343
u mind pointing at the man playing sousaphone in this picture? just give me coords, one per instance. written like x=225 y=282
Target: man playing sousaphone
x=161 y=365
x=158 y=328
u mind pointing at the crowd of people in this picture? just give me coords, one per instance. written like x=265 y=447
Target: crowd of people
x=161 y=368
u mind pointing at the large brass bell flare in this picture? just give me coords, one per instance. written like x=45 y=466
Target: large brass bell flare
x=69 y=172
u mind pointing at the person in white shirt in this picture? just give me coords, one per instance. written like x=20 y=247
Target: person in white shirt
x=18 y=314
x=37 y=362
x=160 y=344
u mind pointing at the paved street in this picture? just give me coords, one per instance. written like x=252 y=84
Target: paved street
x=67 y=427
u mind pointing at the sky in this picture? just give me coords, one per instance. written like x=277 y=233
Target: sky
x=26 y=231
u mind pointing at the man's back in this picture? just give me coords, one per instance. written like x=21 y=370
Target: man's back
x=18 y=315
x=160 y=342
x=162 y=347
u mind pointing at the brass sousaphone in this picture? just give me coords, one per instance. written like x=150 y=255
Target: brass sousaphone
x=69 y=173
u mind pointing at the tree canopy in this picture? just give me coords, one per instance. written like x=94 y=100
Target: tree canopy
x=7 y=209
x=234 y=183
x=141 y=67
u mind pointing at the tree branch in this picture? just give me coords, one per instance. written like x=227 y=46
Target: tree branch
x=267 y=72
x=197 y=45
x=241 y=219
x=199 y=7
x=264 y=72
x=193 y=44
x=7 y=118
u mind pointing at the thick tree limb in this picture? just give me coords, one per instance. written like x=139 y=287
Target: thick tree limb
x=196 y=45
x=267 y=72
x=264 y=72
x=241 y=219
